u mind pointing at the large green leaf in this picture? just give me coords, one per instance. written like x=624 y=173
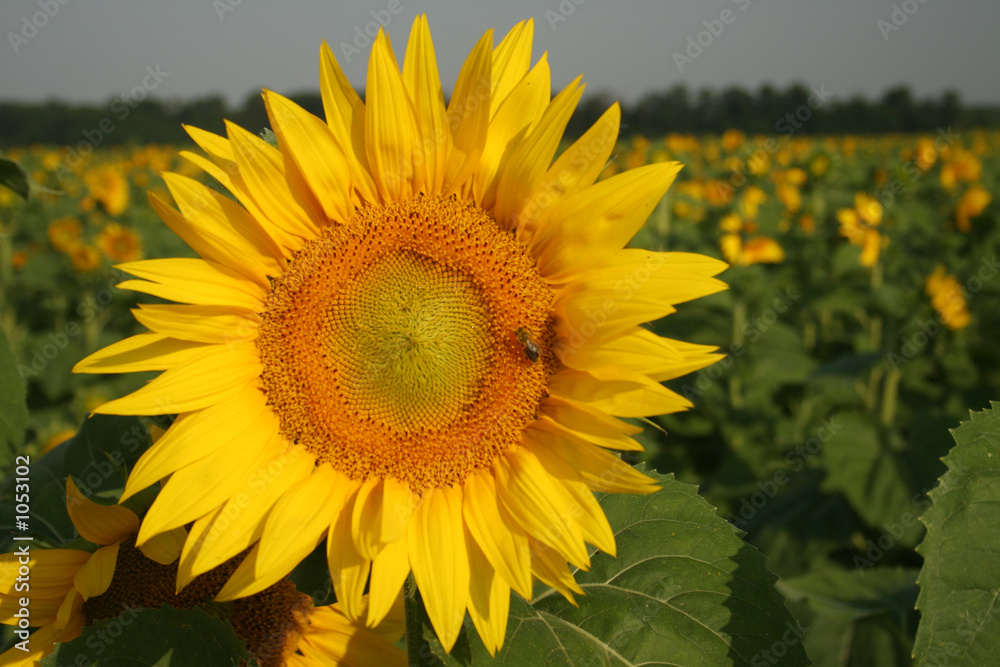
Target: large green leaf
x=960 y=579
x=162 y=637
x=13 y=410
x=684 y=590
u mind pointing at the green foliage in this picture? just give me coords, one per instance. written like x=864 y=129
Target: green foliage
x=164 y=637
x=683 y=590
x=960 y=579
x=98 y=457
x=13 y=410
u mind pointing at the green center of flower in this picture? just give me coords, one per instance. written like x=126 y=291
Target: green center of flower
x=412 y=335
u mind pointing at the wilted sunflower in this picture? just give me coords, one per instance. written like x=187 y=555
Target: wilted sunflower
x=73 y=588
x=412 y=337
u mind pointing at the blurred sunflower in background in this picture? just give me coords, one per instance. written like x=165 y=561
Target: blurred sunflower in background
x=73 y=588
x=413 y=337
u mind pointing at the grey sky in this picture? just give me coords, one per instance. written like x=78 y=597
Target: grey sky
x=92 y=50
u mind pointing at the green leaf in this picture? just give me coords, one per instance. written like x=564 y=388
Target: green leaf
x=160 y=637
x=13 y=409
x=874 y=480
x=98 y=456
x=14 y=177
x=684 y=590
x=960 y=579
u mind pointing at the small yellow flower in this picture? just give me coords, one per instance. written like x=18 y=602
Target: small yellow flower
x=743 y=250
x=858 y=225
x=973 y=202
x=733 y=140
x=85 y=258
x=948 y=299
x=119 y=244
x=73 y=588
x=65 y=234
x=18 y=259
x=108 y=185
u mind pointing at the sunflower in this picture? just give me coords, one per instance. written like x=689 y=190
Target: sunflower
x=72 y=588
x=948 y=298
x=413 y=336
x=119 y=244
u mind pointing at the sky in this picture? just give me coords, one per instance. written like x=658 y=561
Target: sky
x=97 y=50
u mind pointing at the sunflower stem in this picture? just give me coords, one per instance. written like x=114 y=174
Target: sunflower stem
x=418 y=650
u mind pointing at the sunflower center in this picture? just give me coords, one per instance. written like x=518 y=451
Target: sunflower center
x=398 y=344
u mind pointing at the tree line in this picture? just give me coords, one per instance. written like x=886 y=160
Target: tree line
x=768 y=110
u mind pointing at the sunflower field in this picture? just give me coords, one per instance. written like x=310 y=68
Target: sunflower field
x=828 y=499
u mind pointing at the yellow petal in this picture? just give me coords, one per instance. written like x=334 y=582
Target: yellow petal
x=239 y=522
x=594 y=223
x=333 y=639
x=601 y=470
x=532 y=157
x=390 y=125
x=142 y=352
x=316 y=153
x=52 y=571
x=287 y=242
x=588 y=515
x=197 y=489
x=207 y=379
x=166 y=547
x=194 y=281
x=505 y=546
x=592 y=425
x=423 y=84
x=366 y=518
x=551 y=569
x=397 y=508
x=292 y=530
x=345 y=115
x=272 y=184
x=42 y=641
x=440 y=560
x=511 y=60
x=94 y=577
x=489 y=599
x=192 y=437
x=575 y=169
x=514 y=120
x=389 y=570
x=348 y=569
x=199 y=324
x=100 y=524
x=469 y=115
x=540 y=504
x=617 y=391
